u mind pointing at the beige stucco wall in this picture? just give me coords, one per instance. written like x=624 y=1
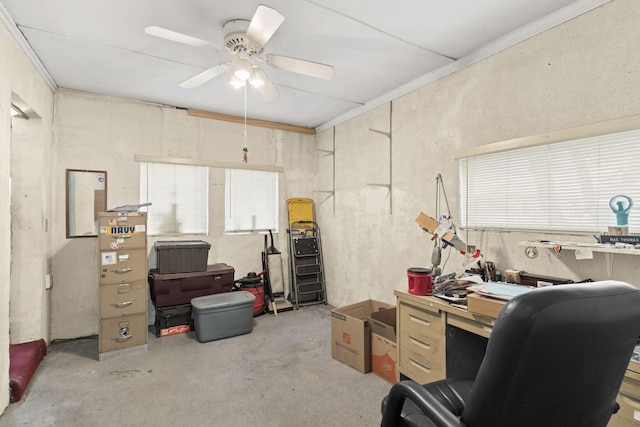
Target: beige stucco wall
x=578 y=73
x=25 y=207
x=104 y=133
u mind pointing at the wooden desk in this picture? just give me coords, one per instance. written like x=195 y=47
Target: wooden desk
x=422 y=329
x=421 y=324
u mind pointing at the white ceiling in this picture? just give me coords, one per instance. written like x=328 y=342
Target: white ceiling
x=377 y=48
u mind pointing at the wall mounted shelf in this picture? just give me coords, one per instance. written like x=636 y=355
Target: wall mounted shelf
x=332 y=192
x=608 y=250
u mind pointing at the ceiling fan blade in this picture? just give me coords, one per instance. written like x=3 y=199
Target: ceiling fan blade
x=205 y=76
x=163 y=33
x=300 y=66
x=268 y=91
x=264 y=23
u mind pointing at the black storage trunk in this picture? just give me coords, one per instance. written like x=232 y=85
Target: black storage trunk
x=179 y=288
x=170 y=317
x=182 y=256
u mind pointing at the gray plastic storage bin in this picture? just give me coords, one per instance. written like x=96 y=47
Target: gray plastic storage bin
x=223 y=315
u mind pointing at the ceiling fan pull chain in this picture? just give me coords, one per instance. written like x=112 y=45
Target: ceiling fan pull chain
x=245 y=150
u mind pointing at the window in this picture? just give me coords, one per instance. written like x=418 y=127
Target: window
x=564 y=186
x=179 y=197
x=251 y=201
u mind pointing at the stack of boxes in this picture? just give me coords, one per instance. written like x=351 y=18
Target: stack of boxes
x=183 y=274
x=363 y=336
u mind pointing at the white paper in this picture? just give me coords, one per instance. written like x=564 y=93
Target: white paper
x=443 y=226
x=108 y=258
x=584 y=254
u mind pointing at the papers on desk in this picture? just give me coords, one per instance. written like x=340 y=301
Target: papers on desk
x=454 y=290
x=500 y=290
x=497 y=290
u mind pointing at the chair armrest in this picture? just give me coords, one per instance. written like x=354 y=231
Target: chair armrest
x=426 y=402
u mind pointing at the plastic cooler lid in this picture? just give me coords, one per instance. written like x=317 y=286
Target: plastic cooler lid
x=181 y=244
x=223 y=300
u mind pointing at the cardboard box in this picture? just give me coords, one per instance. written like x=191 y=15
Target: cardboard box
x=351 y=333
x=383 y=323
x=173 y=330
x=384 y=358
x=484 y=306
x=384 y=350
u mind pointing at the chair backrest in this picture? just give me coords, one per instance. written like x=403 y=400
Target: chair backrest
x=557 y=357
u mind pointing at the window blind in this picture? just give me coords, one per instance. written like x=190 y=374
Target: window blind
x=565 y=186
x=179 y=197
x=251 y=201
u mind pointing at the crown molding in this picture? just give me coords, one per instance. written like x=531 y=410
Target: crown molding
x=17 y=35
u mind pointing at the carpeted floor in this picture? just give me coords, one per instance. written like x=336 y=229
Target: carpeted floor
x=281 y=374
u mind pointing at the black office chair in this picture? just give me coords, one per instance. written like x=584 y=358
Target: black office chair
x=556 y=357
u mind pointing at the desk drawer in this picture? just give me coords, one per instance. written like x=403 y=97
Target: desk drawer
x=482 y=329
x=629 y=400
x=628 y=414
x=420 y=367
x=421 y=321
x=429 y=347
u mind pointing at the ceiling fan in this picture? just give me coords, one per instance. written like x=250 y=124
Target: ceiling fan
x=246 y=40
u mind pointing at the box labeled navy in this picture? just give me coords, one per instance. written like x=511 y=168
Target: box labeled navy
x=182 y=256
x=223 y=315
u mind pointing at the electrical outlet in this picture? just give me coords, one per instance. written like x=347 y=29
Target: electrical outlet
x=48 y=281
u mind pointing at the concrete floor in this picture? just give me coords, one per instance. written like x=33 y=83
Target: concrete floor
x=281 y=374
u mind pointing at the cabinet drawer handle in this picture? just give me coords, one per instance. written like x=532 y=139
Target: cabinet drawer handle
x=123 y=338
x=419 y=319
x=420 y=342
x=122 y=270
x=420 y=365
x=122 y=304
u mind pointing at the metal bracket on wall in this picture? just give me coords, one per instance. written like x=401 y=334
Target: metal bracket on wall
x=332 y=192
x=388 y=186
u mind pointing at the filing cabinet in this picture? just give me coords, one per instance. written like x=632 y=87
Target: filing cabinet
x=123 y=282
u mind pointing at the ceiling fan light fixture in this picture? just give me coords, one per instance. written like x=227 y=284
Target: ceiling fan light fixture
x=258 y=77
x=235 y=81
x=242 y=66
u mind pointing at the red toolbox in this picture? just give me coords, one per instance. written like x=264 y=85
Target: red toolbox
x=179 y=288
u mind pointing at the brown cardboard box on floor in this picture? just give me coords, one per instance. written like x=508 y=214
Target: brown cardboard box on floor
x=351 y=333
x=384 y=347
x=484 y=306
